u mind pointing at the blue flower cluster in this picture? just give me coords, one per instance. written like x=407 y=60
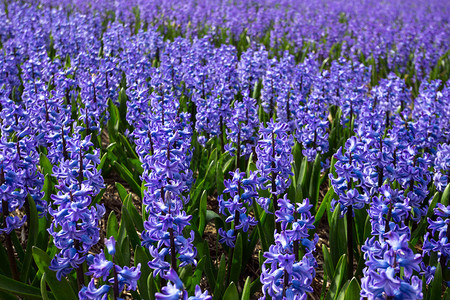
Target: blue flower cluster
x=284 y=275
x=274 y=161
x=100 y=269
x=390 y=265
x=75 y=221
x=242 y=192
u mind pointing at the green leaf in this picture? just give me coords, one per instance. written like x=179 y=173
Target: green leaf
x=197 y=276
x=202 y=213
x=102 y=162
x=61 y=289
x=4 y=267
x=262 y=234
x=43 y=235
x=112 y=226
x=195 y=193
x=338 y=278
x=131 y=230
x=125 y=249
x=236 y=264
x=338 y=235
x=302 y=172
x=123 y=107
x=209 y=266
x=17 y=246
x=113 y=122
x=255 y=286
x=141 y=257
x=436 y=284
x=446 y=196
x=314 y=182
x=45 y=164
x=211 y=215
x=323 y=206
x=18 y=288
x=231 y=293
x=128 y=177
x=135 y=216
x=136 y=165
x=341 y=295
x=33 y=228
x=246 y=289
x=129 y=149
x=210 y=176
x=353 y=290
x=98 y=197
x=220 y=277
x=151 y=286
x=327 y=262
x=220 y=174
x=228 y=165
x=47 y=188
x=123 y=193
x=44 y=287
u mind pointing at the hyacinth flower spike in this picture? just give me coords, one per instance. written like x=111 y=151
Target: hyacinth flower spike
x=100 y=269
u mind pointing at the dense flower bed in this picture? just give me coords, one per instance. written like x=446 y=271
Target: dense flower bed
x=258 y=143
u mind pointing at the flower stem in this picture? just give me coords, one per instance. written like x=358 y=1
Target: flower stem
x=116 y=282
x=350 y=241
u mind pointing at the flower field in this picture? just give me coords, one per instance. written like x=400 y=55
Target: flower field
x=206 y=149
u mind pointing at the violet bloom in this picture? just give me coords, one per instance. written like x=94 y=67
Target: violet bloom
x=91 y=292
x=75 y=221
x=100 y=267
x=274 y=159
x=174 y=290
x=241 y=192
x=437 y=240
x=284 y=274
x=384 y=260
x=312 y=123
x=350 y=168
x=242 y=128
x=442 y=167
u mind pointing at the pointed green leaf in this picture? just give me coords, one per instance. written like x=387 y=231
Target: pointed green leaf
x=323 y=206
x=202 y=212
x=141 y=257
x=338 y=236
x=209 y=266
x=231 y=293
x=314 y=182
x=327 y=262
x=436 y=284
x=220 y=277
x=123 y=193
x=246 y=289
x=33 y=227
x=129 y=225
x=236 y=264
x=18 y=288
x=446 y=196
x=112 y=226
x=353 y=290
x=338 y=278
x=135 y=216
x=102 y=162
x=45 y=164
x=128 y=177
x=44 y=287
x=61 y=289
